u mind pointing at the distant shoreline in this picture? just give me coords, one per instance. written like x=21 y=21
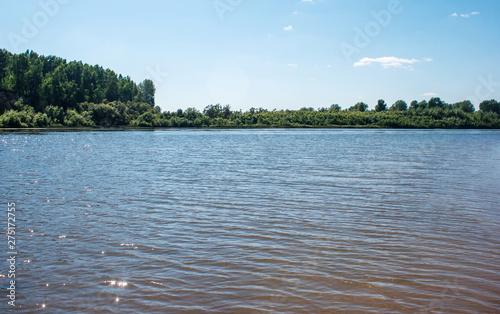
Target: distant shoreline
x=129 y=128
x=39 y=92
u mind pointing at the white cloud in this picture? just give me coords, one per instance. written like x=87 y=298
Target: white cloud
x=430 y=95
x=390 y=62
x=288 y=28
x=466 y=15
x=292 y=65
x=309 y=1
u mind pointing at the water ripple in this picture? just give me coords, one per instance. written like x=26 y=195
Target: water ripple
x=260 y=221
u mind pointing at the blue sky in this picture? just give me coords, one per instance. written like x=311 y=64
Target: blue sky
x=283 y=54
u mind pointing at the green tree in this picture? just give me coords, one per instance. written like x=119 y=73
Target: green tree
x=226 y=112
x=34 y=78
x=490 y=106
x=335 y=108
x=74 y=119
x=422 y=105
x=111 y=86
x=104 y=114
x=4 y=62
x=74 y=73
x=360 y=106
x=436 y=102
x=20 y=69
x=148 y=89
x=192 y=114
x=465 y=106
x=127 y=89
x=51 y=63
x=414 y=105
x=53 y=91
x=381 y=106
x=213 y=111
x=399 y=105
x=55 y=114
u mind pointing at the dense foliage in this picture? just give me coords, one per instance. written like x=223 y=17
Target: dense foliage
x=57 y=93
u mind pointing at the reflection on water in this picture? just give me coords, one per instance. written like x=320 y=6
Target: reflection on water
x=256 y=221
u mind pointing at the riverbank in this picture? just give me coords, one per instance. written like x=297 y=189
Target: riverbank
x=131 y=115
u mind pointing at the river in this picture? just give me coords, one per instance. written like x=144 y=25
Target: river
x=253 y=221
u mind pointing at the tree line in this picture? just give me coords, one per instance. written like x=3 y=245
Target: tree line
x=52 y=81
x=58 y=93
